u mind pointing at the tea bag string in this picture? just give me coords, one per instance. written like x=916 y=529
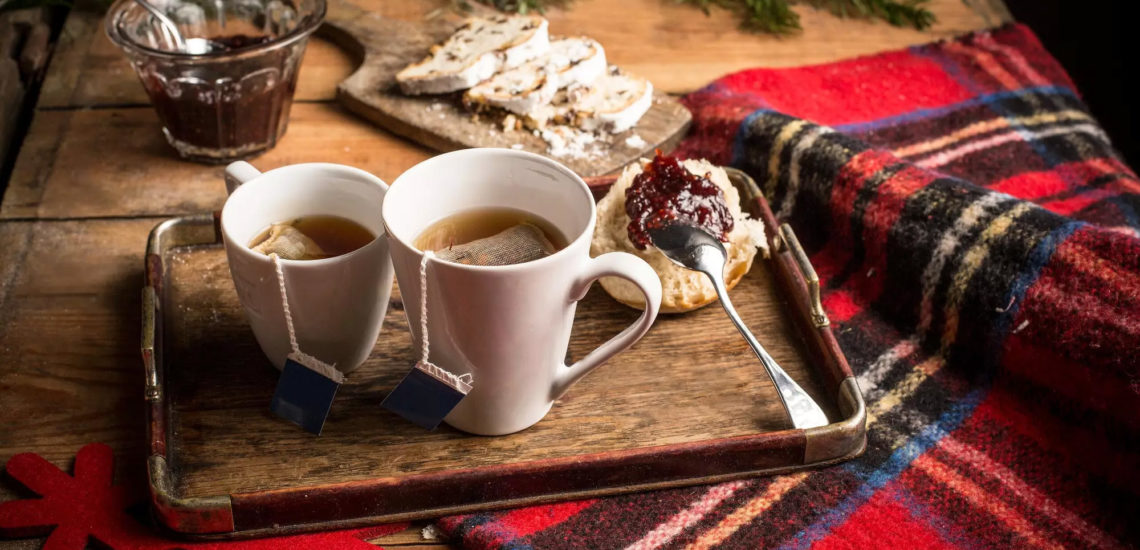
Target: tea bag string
x=325 y=369
x=425 y=340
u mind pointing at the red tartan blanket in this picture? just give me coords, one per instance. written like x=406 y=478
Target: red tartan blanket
x=977 y=238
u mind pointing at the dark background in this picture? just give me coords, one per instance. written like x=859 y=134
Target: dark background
x=1090 y=40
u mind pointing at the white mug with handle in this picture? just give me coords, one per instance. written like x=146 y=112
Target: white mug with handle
x=508 y=326
x=337 y=304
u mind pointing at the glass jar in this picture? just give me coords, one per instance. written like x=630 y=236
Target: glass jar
x=227 y=100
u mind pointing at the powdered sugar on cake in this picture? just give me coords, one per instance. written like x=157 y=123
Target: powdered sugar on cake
x=559 y=88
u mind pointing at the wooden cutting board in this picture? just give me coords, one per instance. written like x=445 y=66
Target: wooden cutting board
x=439 y=121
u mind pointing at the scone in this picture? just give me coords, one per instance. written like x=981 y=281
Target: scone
x=478 y=50
x=683 y=290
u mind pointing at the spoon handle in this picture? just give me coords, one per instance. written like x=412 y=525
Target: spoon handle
x=169 y=28
x=802 y=409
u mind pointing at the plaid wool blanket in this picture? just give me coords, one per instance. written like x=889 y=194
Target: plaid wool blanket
x=976 y=235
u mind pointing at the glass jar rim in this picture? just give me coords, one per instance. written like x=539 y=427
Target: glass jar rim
x=119 y=37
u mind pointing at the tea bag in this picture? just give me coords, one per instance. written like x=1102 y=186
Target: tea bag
x=307 y=386
x=518 y=244
x=288 y=243
x=428 y=392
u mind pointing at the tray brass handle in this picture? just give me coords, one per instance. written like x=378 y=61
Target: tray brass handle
x=792 y=244
x=153 y=390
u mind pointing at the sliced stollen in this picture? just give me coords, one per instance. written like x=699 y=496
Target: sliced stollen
x=479 y=49
x=577 y=60
x=569 y=62
x=614 y=102
x=683 y=290
x=560 y=109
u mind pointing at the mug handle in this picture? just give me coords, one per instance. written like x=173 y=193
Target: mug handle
x=238 y=173
x=634 y=270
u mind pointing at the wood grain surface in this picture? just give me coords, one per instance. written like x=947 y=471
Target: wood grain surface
x=115 y=162
x=226 y=440
x=440 y=121
x=69 y=303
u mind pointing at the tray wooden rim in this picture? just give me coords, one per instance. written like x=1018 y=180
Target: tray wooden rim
x=277 y=511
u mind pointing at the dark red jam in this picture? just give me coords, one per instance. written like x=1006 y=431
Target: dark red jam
x=237 y=41
x=239 y=107
x=666 y=192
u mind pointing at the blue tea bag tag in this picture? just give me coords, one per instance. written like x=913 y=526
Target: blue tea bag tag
x=426 y=395
x=305 y=394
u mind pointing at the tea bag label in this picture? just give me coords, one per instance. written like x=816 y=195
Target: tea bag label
x=304 y=396
x=425 y=396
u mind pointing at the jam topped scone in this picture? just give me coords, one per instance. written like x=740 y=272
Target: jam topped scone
x=666 y=190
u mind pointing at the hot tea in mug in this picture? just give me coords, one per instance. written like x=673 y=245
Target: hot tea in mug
x=491 y=236
x=314 y=237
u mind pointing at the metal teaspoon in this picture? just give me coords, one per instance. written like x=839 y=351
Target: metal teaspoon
x=693 y=248
x=193 y=46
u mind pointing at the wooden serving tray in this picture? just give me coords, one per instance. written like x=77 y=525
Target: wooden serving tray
x=689 y=404
x=386 y=45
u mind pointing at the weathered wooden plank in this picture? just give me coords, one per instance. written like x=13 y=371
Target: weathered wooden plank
x=11 y=101
x=34 y=164
x=79 y=32
x=25 y=44
x=115 y=162
x=13 y=248
x=69 y=303
x=673 y=45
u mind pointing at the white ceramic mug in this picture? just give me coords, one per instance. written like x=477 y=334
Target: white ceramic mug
x=337 y=304
x=508 y=326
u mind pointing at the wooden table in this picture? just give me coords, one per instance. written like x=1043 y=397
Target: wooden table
x=94 y=176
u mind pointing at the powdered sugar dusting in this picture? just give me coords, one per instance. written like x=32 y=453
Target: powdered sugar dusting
x=568 y=142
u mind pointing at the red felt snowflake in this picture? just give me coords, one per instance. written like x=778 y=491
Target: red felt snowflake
x=75 y=509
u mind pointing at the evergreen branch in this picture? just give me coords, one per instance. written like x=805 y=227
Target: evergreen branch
x=768 y=16
x=774 y=16
x=519 y=6
x=900 y=13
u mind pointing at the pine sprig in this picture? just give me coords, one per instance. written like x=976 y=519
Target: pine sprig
x=776 y=16
x=767 y=16
x=520 y=6
x=900 y=13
